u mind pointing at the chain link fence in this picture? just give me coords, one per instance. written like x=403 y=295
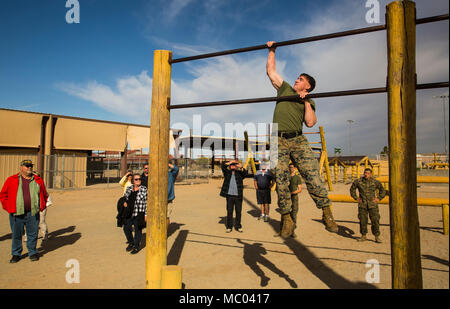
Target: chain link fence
x=65 y=171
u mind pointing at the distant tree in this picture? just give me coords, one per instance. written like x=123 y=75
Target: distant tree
x=337 y=151
x=385 y=150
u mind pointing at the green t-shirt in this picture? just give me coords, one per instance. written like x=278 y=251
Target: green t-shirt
x=294 y=182
x=289 y=114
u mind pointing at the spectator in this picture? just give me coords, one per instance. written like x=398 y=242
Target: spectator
x=23 y=196
x=135 y=216
x=43 y=228
x=125 y=182
x=263 y=181
x=371 y=191
x=232 y=190
x=144 y=176
x=295 y=187
x=173 y=173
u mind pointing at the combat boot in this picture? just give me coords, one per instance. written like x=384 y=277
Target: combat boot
x=362 y=238
x=328 y=220
x=287 y=225
x=378 y=239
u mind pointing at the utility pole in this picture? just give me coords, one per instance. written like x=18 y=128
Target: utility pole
x=350 y=135
x=443 y=97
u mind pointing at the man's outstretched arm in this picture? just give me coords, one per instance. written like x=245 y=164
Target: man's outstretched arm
x=271 y=68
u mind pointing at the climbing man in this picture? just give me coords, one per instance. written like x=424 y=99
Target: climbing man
x=293 y=145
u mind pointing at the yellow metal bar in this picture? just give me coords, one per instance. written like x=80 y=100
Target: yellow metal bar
x=445 y=218
x=171 y=277
x=421 y=201
x=335 y=172
x=401 y=86
x=437 y=165
x=321 y=163
x=156 y=241
x=326 y=163
x=420 y=179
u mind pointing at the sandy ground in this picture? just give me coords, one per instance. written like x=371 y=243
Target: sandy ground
x=82 y=226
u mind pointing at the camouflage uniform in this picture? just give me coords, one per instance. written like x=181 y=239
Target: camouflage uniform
x=367 y=207
x=299 y=151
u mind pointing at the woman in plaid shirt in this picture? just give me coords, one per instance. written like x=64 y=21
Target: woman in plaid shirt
x=136 y=203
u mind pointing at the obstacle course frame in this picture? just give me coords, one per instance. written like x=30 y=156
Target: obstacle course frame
x=401 y=88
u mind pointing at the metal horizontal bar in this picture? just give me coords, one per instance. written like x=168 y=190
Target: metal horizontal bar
x=304 y=40
x=297 y=98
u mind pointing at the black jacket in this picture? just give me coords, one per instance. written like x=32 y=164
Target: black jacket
x=239 y=175
x=123 y=213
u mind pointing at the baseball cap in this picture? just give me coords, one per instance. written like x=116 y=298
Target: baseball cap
x=26 y=162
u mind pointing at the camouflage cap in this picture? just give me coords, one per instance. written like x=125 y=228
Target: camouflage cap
x=25 y=162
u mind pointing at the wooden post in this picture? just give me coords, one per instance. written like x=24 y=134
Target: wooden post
x=327 y=164
x=171 y=277
x=445 y=218
x=405 y=236
x=156 y=243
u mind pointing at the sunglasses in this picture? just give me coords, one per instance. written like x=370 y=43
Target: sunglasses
x=28 y=165
x=137 y=179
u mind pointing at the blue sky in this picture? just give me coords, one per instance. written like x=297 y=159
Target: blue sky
x=102 y=67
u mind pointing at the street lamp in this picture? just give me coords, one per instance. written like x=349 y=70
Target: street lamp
x=443 y=97
x=350 y=135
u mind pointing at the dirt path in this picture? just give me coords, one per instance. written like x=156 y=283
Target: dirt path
x=82 y=226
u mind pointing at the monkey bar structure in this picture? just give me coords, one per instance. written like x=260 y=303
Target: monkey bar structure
x=401 y=88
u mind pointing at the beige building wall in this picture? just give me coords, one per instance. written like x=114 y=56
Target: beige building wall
x=75 y=134
x=19 y=129
x=67 y=139
x=10 y=161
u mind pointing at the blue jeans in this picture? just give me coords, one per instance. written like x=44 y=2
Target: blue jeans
x=17 y=223
x=127 y=228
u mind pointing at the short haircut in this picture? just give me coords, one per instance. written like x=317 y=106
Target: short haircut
x=291 y=164
x=311 y=81
x=368 y=169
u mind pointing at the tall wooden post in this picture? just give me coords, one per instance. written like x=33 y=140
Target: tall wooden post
x=405 y=237
x=156 y=246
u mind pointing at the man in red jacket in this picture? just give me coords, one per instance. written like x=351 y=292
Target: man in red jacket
x=23 y=196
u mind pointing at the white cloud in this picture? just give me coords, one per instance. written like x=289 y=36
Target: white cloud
x=174 y=8
x=131 y=97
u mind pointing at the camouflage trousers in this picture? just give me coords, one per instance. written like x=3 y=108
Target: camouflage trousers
x=299 y=151
x=294 y=211
x=363 y=216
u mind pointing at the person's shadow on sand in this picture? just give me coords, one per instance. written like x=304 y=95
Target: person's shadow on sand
x=253 y=254
x=56 y=240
